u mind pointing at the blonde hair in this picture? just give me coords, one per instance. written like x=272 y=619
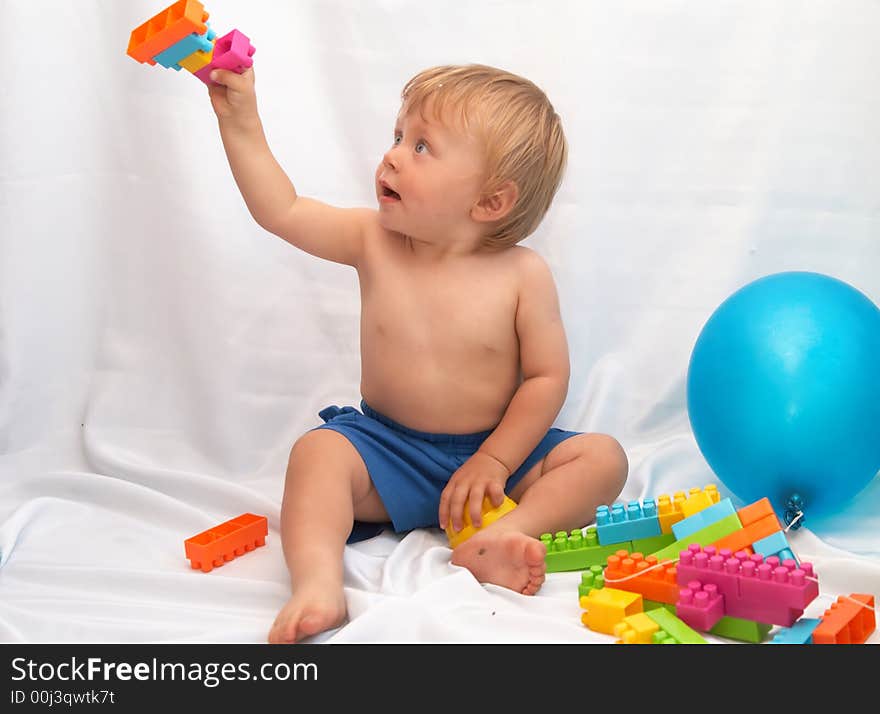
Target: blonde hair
x=519 y=129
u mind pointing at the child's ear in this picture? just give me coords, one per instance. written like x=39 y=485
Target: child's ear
x=496 y=205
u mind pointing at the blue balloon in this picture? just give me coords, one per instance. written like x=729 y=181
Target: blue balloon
x=783 y=391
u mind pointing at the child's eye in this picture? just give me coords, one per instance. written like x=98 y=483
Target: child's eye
x=397 y=139
x=421 y=147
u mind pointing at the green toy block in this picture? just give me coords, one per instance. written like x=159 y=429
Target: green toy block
x=736 y=628
x=646 y=546
x=591 y=578
x=705 y=536
x=578 y=550
x=653 y=604
x=675 y=627
x=662 y=637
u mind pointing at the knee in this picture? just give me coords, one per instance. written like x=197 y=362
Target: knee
x=608 y=462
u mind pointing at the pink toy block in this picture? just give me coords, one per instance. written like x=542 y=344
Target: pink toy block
x=700 y=606
x=753 y=589
x=233 y=51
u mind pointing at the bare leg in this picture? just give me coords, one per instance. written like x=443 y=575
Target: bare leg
x=327 y=487
x=561 y=493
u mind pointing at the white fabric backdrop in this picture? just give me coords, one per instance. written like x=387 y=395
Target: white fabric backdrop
x=159 y=352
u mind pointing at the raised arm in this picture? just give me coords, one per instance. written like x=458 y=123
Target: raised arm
x=319 y=229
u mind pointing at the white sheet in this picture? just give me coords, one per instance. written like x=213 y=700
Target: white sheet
x=159 y=353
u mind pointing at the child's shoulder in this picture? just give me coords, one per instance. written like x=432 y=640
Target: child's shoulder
x=531 y=268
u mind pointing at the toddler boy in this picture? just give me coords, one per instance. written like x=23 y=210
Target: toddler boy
x=464 y=360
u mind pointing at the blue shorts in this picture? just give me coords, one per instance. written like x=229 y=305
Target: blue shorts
x=411 y=468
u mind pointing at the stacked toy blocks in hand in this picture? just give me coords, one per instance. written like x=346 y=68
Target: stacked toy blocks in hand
x=220 y=544
x=180 y=37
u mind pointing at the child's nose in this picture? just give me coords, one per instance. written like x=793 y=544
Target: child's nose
x=390 y=159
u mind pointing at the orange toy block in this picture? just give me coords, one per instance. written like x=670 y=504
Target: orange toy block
x=846 y=622
x=758 y=521
x=754 y=512
x=657 y=584
x=220 y=544
x=669 y=510
x=167 y=28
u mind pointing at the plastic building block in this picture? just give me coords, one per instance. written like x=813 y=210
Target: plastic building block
x=638 y=629
x=705 y=536
x=675 y=628
x=490 y=515
x=233 y=51
x=197 y=60
x=166 y=28
x=591 y=578
x=182 y=49
x=700 y=606
x=753 y=589
x=655 y=583
x=754 y=512
x=653 y=604
x=774 y=544
x=621 y=523
x=760 y=521
x=702 y=519
x=846 y=622
x=577 y=550
x=669 y=511
x=649 y=545
x=736 y=628
x=220 y=544
x=800 y=633
x=605 y=607
x=698 y=499
x=662 y=637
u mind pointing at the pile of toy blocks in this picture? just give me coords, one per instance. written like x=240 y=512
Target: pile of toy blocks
x=694 y=564
x=180 y=37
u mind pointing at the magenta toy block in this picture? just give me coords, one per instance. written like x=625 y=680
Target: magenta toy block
x=753 y=589
x=700 y=606
x=233 y=51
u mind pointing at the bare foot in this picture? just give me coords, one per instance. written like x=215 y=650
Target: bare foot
x=314 y=607
x=507 y=558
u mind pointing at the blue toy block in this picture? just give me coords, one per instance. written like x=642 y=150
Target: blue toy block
x=800 y=633
x=193 y=42
x=699 y=520
x=619 y=524
x=774 y=544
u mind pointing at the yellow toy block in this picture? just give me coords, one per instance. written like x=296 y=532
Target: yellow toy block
x=490 y=515
x=196 y=60
x=698 y=499
x=636 y=629
x=605 y=607
x=669 y=510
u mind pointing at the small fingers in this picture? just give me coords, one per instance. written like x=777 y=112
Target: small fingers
x=475 y=503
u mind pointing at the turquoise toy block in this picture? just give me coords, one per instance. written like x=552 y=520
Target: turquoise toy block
x=774 y=544
x=629 y=523
x=800 y=633
x=193 y=42
x=701 y=519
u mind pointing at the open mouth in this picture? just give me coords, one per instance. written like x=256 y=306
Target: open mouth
x=388 y=193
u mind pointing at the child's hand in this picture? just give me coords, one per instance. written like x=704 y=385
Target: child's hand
x=481 y=475
x=233 y=97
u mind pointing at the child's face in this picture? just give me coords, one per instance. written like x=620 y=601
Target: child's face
x=429 y=179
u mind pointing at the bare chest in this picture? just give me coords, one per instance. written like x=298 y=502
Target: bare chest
x=464 y=310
